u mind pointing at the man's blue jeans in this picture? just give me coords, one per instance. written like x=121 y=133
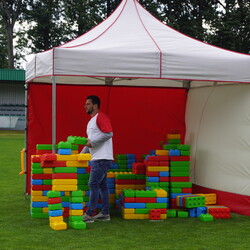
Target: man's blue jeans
x=98 y=185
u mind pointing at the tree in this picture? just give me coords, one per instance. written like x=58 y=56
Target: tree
x=3 y=47
x=10 y=11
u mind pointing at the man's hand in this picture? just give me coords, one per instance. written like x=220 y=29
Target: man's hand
x=88 y=144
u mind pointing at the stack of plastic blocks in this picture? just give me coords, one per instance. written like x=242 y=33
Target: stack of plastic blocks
x=144 y=204
x=139 y=168
x=125 y=161
x=157 y=171
x=218 y=211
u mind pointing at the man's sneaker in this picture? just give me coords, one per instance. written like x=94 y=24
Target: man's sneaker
x=87 y=218
x=102 y=217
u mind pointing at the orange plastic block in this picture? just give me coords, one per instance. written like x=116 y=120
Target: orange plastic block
x=58 y=225
x=48 y=170
x=64 y=182
x=161 y=152
x=173 y=136
x=157 y=168
x=128 y=210
x=64 y=187
x=39 y=198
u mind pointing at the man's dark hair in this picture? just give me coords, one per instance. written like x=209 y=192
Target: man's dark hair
x=95 y=100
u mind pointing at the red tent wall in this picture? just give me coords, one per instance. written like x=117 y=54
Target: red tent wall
x=141 y=116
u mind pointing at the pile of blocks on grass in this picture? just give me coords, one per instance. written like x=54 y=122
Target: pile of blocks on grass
x=155 y=186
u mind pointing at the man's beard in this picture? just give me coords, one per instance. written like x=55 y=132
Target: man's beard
x=89 y=112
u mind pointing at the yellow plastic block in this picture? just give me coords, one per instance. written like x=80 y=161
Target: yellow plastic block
x=45 y=209
x=39 y=198
x=163 y=216
x=125 y=186
x=210 y=199
x=48 y=170
x=67 y=193
x=75 y=212
x=161 y=152
x=111 y=175
x=83 y=157
x=161 y=193
x=64 y=182
x=36 y=193
x=122 y=173
x=157 y=168
x=80 y=164
x=173 y=136
x=118 y=191
x=128 y=210
x=74 y=152
x=67 y=157
x=134 y=216
x=55 y=219
x=64 y=187
x=58 y=225
x=147 y=216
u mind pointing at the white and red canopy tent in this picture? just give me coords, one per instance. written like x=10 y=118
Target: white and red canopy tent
x=133 y=48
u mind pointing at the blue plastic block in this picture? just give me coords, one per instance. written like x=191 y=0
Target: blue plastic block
x=55 y=213
x=162 y=200
x=110 y=180
x=81 y=170
x=39 y=204
x=64 y=151
x=129 y=165
x=45 y=193
x=201 y=210
x=130 y=161
x=114 y=165
x=153 y=179
x=192 y=212
x=174 y=152
x=111 y=185
x=65 y=204
x=131 y=156
x=164 y=173
x=87 y=193
x=77 y=206
x=134 y=205
x=36 y=182
x=112 y=191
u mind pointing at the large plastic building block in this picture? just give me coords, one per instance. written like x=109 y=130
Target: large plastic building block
x=77 y=224
x=171 y=213
x=184 y=147
x=174 y=152
x=155 y=214
x=182 y=214
x=77 y=140
x=64 y=145
x=64 y=187
x=64 y=151
x=83 y=157
x=58 y=225
x=161 y=152
x=65 y=170
x=48 y=157
x=206 y=217
x=78 y=164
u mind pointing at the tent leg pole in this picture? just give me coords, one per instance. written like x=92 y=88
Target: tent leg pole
x=53 y=114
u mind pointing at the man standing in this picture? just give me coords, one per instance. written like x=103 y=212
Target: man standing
x=100 y=146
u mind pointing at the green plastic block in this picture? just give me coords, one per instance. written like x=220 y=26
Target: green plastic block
x=179 y=169
x=184 y=147
x=206 y=217
x=47 y=182
x=120 y=157
x=181 y=184
x=176 y=190
x=76 y=199
x=171 y=213
x=39 y=215
x=152 y=184
x=36 y=165
x=63 y=144
x=164 y=184
x=145 y=193
x=179 y=174
x=77 y=140
x=45 y=146
x=122 y=162
x=182 y=214
x=74 y=147
x=185 y=153
x=196 y=201
x=37 y=171
x=174 y=141
x=65 y=198
x=85 y=198
x=156 y=205
x=169 y=146
x=83 y=187
x=36 y=210
x=179 y=164
x=77 y=193
x=75 y=218
x=82 y=182
x=142 y=211
x=65 y=170
x=122 y=166
x=125 y=177
x=83 y=176
x=140 y=177
x=128 y=193
x=77 y=224
x=53 y=194
x=56 y=206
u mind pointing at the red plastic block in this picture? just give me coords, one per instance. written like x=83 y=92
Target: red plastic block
x=35 y=158
x=163 y=210
x=164 y=163
x=54 y=200
x=186 y=190
x=41 y=187
x=152 y=163
x=41 y=176
x=179 y=158
x=138 y=165
x=158 y=158
x=88 y=169
x=124 y=182
x=163 y=179
x=219 y=212
x=155 y=214
x=179 y=179
x=129 y=199
x=48 y=157
x=140 y=182
x=152 y=173
x=53 y=164
x=174 y=131
x=64 y=176
x=41 y=152
x=173 y=203
x=145 y=199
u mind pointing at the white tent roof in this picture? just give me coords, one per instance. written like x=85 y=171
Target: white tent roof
x=132 y=44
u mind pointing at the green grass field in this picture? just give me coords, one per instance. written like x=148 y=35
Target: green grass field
x=19 y=231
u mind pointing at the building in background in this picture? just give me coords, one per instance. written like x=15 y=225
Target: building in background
x=12 y=99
